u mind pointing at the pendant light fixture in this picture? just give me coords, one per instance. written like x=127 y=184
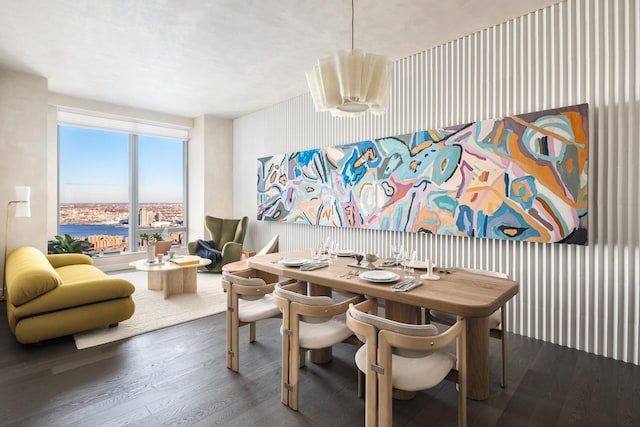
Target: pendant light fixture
x=350 y=83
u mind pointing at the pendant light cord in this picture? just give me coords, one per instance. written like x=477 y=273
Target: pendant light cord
x=352 y=24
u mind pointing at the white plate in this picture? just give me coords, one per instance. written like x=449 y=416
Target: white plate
x=344 y=252
x=379 y=276
x=293 y=262
x=416 y=264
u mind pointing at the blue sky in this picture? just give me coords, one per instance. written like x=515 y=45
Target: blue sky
x=94 y=167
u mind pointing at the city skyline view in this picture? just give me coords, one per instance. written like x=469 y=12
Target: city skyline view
x=106 y=225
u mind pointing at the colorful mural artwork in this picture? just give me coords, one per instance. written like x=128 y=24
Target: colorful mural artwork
x=519 y=178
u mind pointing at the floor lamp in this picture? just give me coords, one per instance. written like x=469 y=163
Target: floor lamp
x=23 y=209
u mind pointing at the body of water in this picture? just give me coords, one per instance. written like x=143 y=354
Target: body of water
x=85 y=230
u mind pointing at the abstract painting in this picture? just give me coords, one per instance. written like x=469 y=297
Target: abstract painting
x=522 y=177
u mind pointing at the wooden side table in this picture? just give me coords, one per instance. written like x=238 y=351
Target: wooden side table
x=244 y=254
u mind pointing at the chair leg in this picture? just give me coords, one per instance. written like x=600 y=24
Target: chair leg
x=503 y=377
x=302 y=359
x=371 y=399
x=294 y=370
x=232 y=333
x=252 y=332
x=361 y=381
x=503 y=339
x=385 y=414
x=286 y=356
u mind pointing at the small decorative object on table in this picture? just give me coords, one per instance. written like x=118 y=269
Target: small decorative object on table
x=430 y=275
x=371 y=258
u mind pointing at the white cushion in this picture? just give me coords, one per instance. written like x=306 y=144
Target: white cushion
x=412 y=374
x=321 y=335
x=254 y=310
x=495 y=319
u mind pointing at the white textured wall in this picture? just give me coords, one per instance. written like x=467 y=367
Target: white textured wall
x=578 y=51
x=210 y=172
x=23 y=156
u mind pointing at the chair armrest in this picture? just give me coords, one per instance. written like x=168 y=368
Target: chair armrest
x=428 y=343
x=61 y=260
x=325 y=310
x=231 y=252
x=191 y=248
x=267 y=288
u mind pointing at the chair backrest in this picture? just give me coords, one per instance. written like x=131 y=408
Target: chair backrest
x=271 y=247
x=293 y=296
x=224 y=230
x=245 y=281
x=380 y=323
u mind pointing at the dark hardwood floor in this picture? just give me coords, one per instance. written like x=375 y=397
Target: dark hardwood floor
x=178 y=376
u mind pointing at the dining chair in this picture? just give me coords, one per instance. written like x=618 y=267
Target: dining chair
x=497 y=320
x=248 y=301
x=406 y=357
x=308 y=323
x=241 y=268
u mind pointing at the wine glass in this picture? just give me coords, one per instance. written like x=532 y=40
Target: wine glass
x=335 y=247
x=397 y=250
x=410 y=257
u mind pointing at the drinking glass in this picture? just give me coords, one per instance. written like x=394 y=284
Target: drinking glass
x=316 y=252
x=410 y=257
x=334 y=249
x=397 y=250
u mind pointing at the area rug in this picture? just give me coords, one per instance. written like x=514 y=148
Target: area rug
x=154 y=312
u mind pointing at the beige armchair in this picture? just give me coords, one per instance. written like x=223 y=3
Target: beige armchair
x=248 y=301
x=228 y=237
x=405 y=357
x=307 y=323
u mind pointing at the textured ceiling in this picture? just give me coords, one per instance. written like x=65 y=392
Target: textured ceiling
x=225 y=58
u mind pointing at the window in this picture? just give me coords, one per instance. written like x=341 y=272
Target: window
x=115 y=186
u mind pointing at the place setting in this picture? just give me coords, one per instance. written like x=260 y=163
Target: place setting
x=386 y=277
x=304 y=264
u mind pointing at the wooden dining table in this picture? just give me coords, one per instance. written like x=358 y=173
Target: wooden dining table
x=466 y=294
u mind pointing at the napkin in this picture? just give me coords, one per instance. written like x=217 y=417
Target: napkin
x=313 y=266
x=388 y=263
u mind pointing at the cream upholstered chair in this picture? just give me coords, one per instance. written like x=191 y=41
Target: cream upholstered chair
x=406 y=357
x=307 y=323
x=497 y=321
x=248 y=300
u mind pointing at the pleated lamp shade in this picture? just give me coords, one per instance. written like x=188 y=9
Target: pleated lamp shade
x=350 y=83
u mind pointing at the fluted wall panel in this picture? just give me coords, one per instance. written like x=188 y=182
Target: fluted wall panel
x=584 y=297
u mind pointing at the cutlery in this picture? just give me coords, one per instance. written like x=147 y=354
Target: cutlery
x=413 y=285
x=406 y=285
x=401 y=284
x=350 y=274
